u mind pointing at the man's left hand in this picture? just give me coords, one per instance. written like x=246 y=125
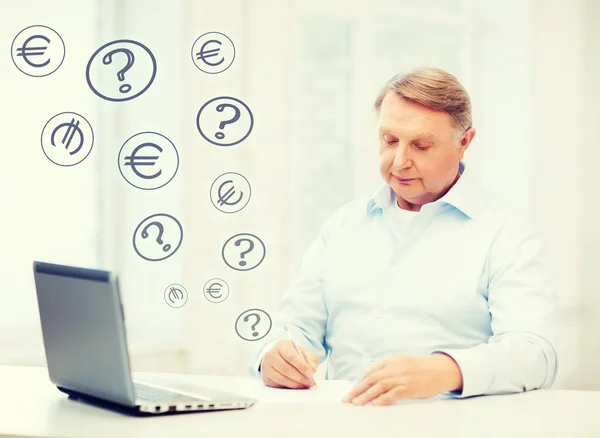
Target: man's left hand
x=403 y=377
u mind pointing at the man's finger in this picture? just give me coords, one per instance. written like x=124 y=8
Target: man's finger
x=379 y=388
x=291 y=356
x=374 y=369
x=311 y=358
x=272 y=383
x=288 y=370
x=365 y=383
x=361 y=387
x=282 y=380
x=393 y=395
x=374 y=391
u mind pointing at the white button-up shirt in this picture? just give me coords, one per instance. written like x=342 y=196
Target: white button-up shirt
x=465 y=276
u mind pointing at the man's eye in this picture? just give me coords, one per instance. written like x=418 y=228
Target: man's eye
x=423 y=148
x=389 y=140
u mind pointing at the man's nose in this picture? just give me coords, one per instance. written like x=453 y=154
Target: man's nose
x=401 y=157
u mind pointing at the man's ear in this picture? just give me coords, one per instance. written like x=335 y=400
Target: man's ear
x=466 y=140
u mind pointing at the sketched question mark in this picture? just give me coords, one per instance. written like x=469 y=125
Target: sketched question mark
x=107 y=59
x=221 y=107
x=253 y=326
x=161 y=230
x=243 y=254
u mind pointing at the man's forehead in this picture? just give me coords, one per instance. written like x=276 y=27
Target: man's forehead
x=409 y=118
x=398 y=129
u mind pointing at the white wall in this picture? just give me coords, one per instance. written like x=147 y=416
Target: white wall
x=587 y=313
x=47 y=211
x=559 y=145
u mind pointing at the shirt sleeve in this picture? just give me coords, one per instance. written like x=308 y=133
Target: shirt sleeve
x=521 y=353
x=302 y=308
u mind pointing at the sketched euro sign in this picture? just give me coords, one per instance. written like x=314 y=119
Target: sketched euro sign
x=204 y=53
x=25 y=51
x=135 y=160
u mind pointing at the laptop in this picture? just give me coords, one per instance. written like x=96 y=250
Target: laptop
x=83 y=328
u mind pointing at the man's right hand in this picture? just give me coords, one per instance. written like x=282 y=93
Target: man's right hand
x=283 y=367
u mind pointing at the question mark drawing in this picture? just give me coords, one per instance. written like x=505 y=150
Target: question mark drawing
x=161 y=230
x=221 y=107
x=253 y=326
x=107 y=59
x=252 y=318
x=243 y=254
x=235 y=260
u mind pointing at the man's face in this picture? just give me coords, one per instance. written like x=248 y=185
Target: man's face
x=418 y=143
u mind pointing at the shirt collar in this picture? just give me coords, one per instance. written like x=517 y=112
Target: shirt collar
x=460 y=196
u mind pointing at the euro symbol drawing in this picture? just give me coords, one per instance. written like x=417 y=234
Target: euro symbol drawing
x=213 y=292
x=224 y=198
x=175 y=293
x=145 y=160
x=26 y=52
x=204 y=54
x=72 y=128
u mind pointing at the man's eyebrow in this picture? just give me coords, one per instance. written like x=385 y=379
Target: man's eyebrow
x=428 y=134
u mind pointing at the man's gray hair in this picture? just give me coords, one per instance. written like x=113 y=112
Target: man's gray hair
x=435 y=89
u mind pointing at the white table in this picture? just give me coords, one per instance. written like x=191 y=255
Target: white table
x=31 y=406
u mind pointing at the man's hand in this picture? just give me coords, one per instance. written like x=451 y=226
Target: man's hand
x=283 y=367
x=401 y=377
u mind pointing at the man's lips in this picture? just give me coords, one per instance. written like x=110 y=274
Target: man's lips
x=403 y=179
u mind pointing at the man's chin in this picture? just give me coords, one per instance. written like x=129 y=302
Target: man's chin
x=407 y=191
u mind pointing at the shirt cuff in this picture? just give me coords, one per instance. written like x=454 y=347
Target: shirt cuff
x=476 y=369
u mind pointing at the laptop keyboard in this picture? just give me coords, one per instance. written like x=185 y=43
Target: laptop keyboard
x=152 y=394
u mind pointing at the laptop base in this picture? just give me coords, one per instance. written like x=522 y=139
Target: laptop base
x=135 y=411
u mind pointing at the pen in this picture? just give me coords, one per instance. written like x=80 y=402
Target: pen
x=296 y=347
